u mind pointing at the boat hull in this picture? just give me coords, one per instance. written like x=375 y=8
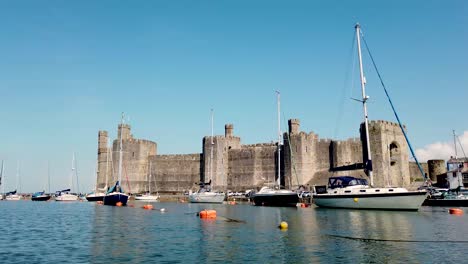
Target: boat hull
x=150 y=198
x=206 y=197
x=66 y=198
x=401 y=201
x=95 y=198
x=283 y=200
x=13 y=197
x=114 y=198
x=446 y=202
x=41 y=198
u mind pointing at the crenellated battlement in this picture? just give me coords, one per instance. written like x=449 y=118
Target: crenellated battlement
x=194 y=156
x=258 y=145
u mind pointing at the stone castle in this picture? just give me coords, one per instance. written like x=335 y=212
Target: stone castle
x=305 y=160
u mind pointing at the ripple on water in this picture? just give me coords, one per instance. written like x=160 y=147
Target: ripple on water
x=83 y=232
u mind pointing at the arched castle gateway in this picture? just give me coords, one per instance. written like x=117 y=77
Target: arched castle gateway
x=306 y=159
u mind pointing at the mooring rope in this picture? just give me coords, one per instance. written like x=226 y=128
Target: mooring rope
x=399 y=240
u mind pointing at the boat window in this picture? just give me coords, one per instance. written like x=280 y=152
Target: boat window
x=347 y=191
x=390 y=190
x=362 y=190
x=334 y=192
x=377 y=190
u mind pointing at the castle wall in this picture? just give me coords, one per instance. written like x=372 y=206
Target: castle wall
x=176 y=173
x=252 y=166
x=415 y=174
x=305 y=160
x=135 y=165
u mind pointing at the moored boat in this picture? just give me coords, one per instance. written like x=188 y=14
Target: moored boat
x=65 y=196
x=354 y=193
x=40 y=196
x=95 y=196
x=205 y=194
x=268 y=196
x=12 y=196
x=116 y=195
x=148 y=197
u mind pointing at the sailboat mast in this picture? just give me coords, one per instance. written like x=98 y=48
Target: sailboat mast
x=17 y=174
x=120 y=149
x=279 y=140
x=364 y=105
x=455 y=143
x=2 y=177
x=76 y=175
x=107 y=163
x=48 y=176
x=149 y=179
x=212 y=144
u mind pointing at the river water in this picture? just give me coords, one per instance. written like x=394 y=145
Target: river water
x=82 y=232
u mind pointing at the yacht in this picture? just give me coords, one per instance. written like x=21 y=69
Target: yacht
x=354 y=193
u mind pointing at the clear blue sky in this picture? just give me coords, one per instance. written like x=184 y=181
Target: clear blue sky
x=69 y=68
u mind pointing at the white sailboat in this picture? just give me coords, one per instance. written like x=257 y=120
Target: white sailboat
x=116 y=195
x=66 y=195
x=148 y=196
x=354 y=193
x=98 y=194
x=205 y=194
x=14 y=196
x=268 y=196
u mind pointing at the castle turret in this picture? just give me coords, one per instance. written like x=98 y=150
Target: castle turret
x=103 y=152
x=389 y=152
x=124 y=130
x=294 y=126
x=216 y=168
x=229 y=130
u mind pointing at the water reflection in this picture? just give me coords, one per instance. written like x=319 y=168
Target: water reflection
x=89 y=233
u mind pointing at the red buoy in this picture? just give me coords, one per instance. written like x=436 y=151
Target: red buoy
x=455 y=211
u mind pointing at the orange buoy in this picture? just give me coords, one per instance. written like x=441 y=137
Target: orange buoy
x=148 y=207
x=455 y=211
x=303 y=205
x=100 y=202
x=208 y=214
x=118 y=204
x=232 y=202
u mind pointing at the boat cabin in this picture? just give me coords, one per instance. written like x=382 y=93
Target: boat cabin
x=345 y=181
x=340 y=182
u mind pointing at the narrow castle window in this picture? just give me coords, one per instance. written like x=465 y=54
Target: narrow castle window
x=394 y=153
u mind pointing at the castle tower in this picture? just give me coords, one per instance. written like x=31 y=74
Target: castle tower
x=135 y=160
x=299 y=154
x=436 y=167
x=217 y=166
x=229 y=130
x=389 y=154
x=102 y=166
x=294 y=126
x=124 y=130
